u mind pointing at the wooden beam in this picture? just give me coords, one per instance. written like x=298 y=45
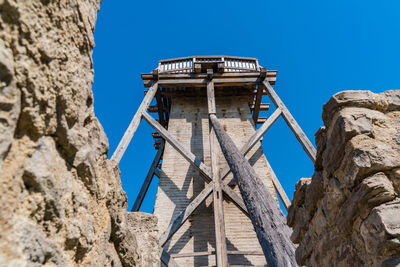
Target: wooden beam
x=257 y=104
x=278 y=187
x=167 y=259
x=212 y=252
x=176 y=223
x=163 y=76
x=220 y=238
x=235 y=198
x=268 y=220
x=298 y=132
x=123 y=144
x=160 y=108
x=196 y=162
x=254 y=138
x=250 y=144
x=263 y=106
x=152 y=109
x=261 y=131
x=149 y=177
x=204 y=170
x=202 y=82
x=260 y=120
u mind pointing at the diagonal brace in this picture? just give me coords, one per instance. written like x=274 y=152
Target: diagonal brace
x=291 y=122
x=204 y=170
x=126 y=139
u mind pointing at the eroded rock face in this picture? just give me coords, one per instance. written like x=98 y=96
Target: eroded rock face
x=62 y=200
x=348 y=213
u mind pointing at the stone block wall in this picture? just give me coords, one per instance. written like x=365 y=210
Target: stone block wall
x=348 y=213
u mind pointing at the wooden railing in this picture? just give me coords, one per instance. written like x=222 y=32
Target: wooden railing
x=186 y=64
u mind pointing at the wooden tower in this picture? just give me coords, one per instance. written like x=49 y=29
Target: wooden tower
x=202 y=216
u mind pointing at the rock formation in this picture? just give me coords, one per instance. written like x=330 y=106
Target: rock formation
x=62 y=200
x=348 y=214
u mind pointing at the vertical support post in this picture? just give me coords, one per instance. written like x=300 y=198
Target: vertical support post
x=220 y=238
x=126 y=139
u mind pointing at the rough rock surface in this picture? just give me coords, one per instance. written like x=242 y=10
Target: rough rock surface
x=62 y=200
x=348 y=213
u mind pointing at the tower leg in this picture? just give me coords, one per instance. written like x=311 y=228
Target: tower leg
x=291 y=122
x=220 y=238
x=126 y=139
x=149 y=177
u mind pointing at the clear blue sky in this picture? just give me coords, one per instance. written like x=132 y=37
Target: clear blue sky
x=318 y=47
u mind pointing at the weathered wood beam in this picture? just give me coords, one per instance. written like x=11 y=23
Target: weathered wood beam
x=235 y=198
x=257 y=104
x=250 y=144
x=260 y=120
x=268 y=220
x=147 y=180
x=189 y=156
x=293 y=125
x=160 y=108
x=161 y=76
x=202 y=82
x=204 y=170
x=263 y=106
x=278 y=187
x=123 y=144
x=220 y=238
x=152 y=109
x=254 y=138
x=168 y=260
x=176 y=223
x=212 y=252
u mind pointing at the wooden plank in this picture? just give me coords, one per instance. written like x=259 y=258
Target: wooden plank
x=123 y=144
x=161 y=76
x=201 y=82
x=278 y=187
x=260 y=120
x=212 y=252
x=211 y=98
x=152 y=109
x=147 y=180
x=157 y=173
x=168 y=260
x=220 y=238
x=175 y=224
x=263 y=106
x=257 y=103
x=268 y=220
x=298 y=132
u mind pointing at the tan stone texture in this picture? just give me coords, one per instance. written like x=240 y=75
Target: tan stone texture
x=180 y=183
x=348 y=214
x=62 y=200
